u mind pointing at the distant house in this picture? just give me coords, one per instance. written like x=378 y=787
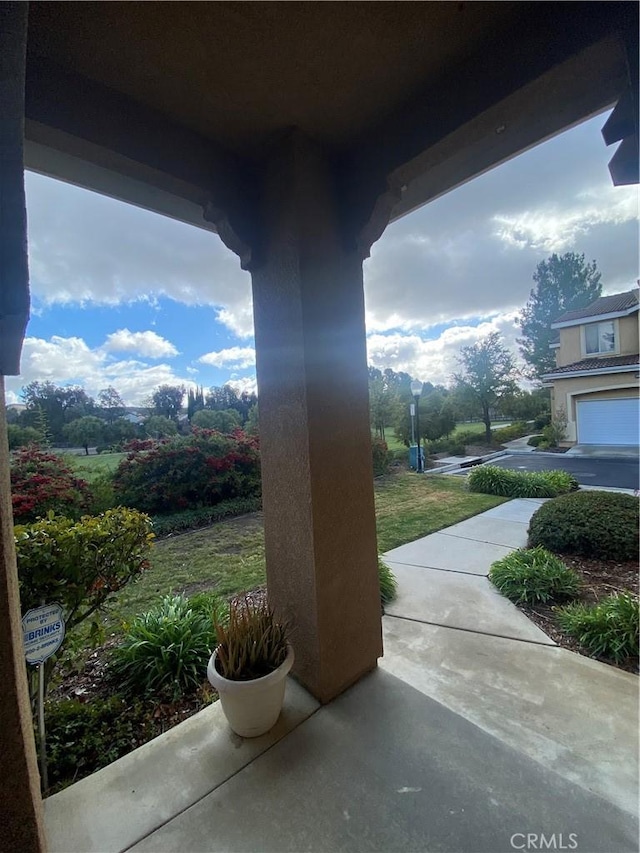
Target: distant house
x=595 y=382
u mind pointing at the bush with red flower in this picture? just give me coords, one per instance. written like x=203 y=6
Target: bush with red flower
x=188 y=472
x=42 y=481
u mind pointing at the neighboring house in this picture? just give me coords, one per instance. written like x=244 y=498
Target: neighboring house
x=595 y=382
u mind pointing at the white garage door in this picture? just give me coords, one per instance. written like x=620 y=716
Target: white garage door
x=608 y=422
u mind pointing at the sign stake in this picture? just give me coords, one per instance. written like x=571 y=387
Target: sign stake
x=43 y=742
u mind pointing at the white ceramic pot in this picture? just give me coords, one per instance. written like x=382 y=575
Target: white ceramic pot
x=251 y=707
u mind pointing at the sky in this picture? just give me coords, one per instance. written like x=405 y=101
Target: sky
x=132 y=299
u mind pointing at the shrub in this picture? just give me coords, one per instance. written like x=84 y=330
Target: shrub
x=190 y=519
x=166 y=650
x=101 y=492
x=562 y=481
x=22 y=436
x=41 y=482
x=381 y=456
x=511 y=432
x=531 y=576
x=535 y=440
x=79 y=564
x=608 y=629
x=188 y=472
x=556 y=431
x=388 y=582
x=542 y=420
x=492 y=480
x=83 y=737
x=601 y=525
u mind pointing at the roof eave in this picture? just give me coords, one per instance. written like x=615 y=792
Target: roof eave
x=595 y=318
x=597 y=371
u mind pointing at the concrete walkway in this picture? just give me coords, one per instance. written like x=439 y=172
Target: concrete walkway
x=475 y=730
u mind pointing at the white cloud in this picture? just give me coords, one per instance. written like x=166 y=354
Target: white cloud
x=434 y=360
x=473 y=252
x=87 y=248
x=68 y=361
x=553 y=229
x=247 y=383
x=146 y=344
x=234 y=358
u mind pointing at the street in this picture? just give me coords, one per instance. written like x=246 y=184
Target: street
x=618 y=473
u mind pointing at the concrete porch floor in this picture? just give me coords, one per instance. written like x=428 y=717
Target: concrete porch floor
x=475 y=730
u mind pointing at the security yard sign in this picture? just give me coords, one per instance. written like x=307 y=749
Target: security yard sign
x=43 y=630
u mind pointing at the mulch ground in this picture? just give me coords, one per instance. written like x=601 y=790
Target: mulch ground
x=600 y=579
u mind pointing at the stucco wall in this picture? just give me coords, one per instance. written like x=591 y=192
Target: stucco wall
x=567 y=392
x=572 y=347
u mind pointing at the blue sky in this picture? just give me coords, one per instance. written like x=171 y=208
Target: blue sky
x=124 y=297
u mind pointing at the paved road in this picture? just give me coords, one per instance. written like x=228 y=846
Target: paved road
x=618 y=473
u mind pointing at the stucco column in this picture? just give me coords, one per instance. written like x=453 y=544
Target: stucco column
x=21 y=827
x=314 y=424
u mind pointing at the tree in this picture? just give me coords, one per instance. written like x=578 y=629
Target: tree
x=59 y=406
x=84 y=431
x=167 y=401
x=223 y=421
x=195 y=402
x=488 y=374
x=436 y=415
x=111 y=404
x=22 y=436
x=383 y=402
x=222 y=398
x=563 y=283
x=525 y=405
x=157 y=426
x=118 y=431
x=252 y=424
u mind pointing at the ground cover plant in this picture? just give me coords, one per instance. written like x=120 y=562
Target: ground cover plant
x=534 y=575
x=388 y=582
x=608 y=629
x=593 y=524
x=594 y=534
x=493 y=480
x=165 y=650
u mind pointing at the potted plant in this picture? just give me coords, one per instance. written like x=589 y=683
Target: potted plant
x=250 y=665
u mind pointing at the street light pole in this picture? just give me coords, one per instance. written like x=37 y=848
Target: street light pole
x=416 y=390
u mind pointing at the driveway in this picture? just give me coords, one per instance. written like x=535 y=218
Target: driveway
x=614 y=473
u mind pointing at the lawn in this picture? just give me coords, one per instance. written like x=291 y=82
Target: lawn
x=90 y=467
x=476 y=427
x=229 y=555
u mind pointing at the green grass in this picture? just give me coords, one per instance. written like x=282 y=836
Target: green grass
x=477 y=427
x=90 y=467
x=228 y=557
x=410 y=505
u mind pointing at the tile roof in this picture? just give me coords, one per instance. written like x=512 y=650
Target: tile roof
x=603 y=305
x=596 y=364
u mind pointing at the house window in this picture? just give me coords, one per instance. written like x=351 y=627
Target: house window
x=599 y=338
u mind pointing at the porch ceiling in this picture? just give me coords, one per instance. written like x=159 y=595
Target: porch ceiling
x=238 y=72
x=184 y=97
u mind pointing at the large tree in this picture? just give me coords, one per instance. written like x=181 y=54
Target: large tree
x=58 y=405
x=488 y=375
x=563 y=283
x=84 y=431
x=111 y=404
x=167 y=401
